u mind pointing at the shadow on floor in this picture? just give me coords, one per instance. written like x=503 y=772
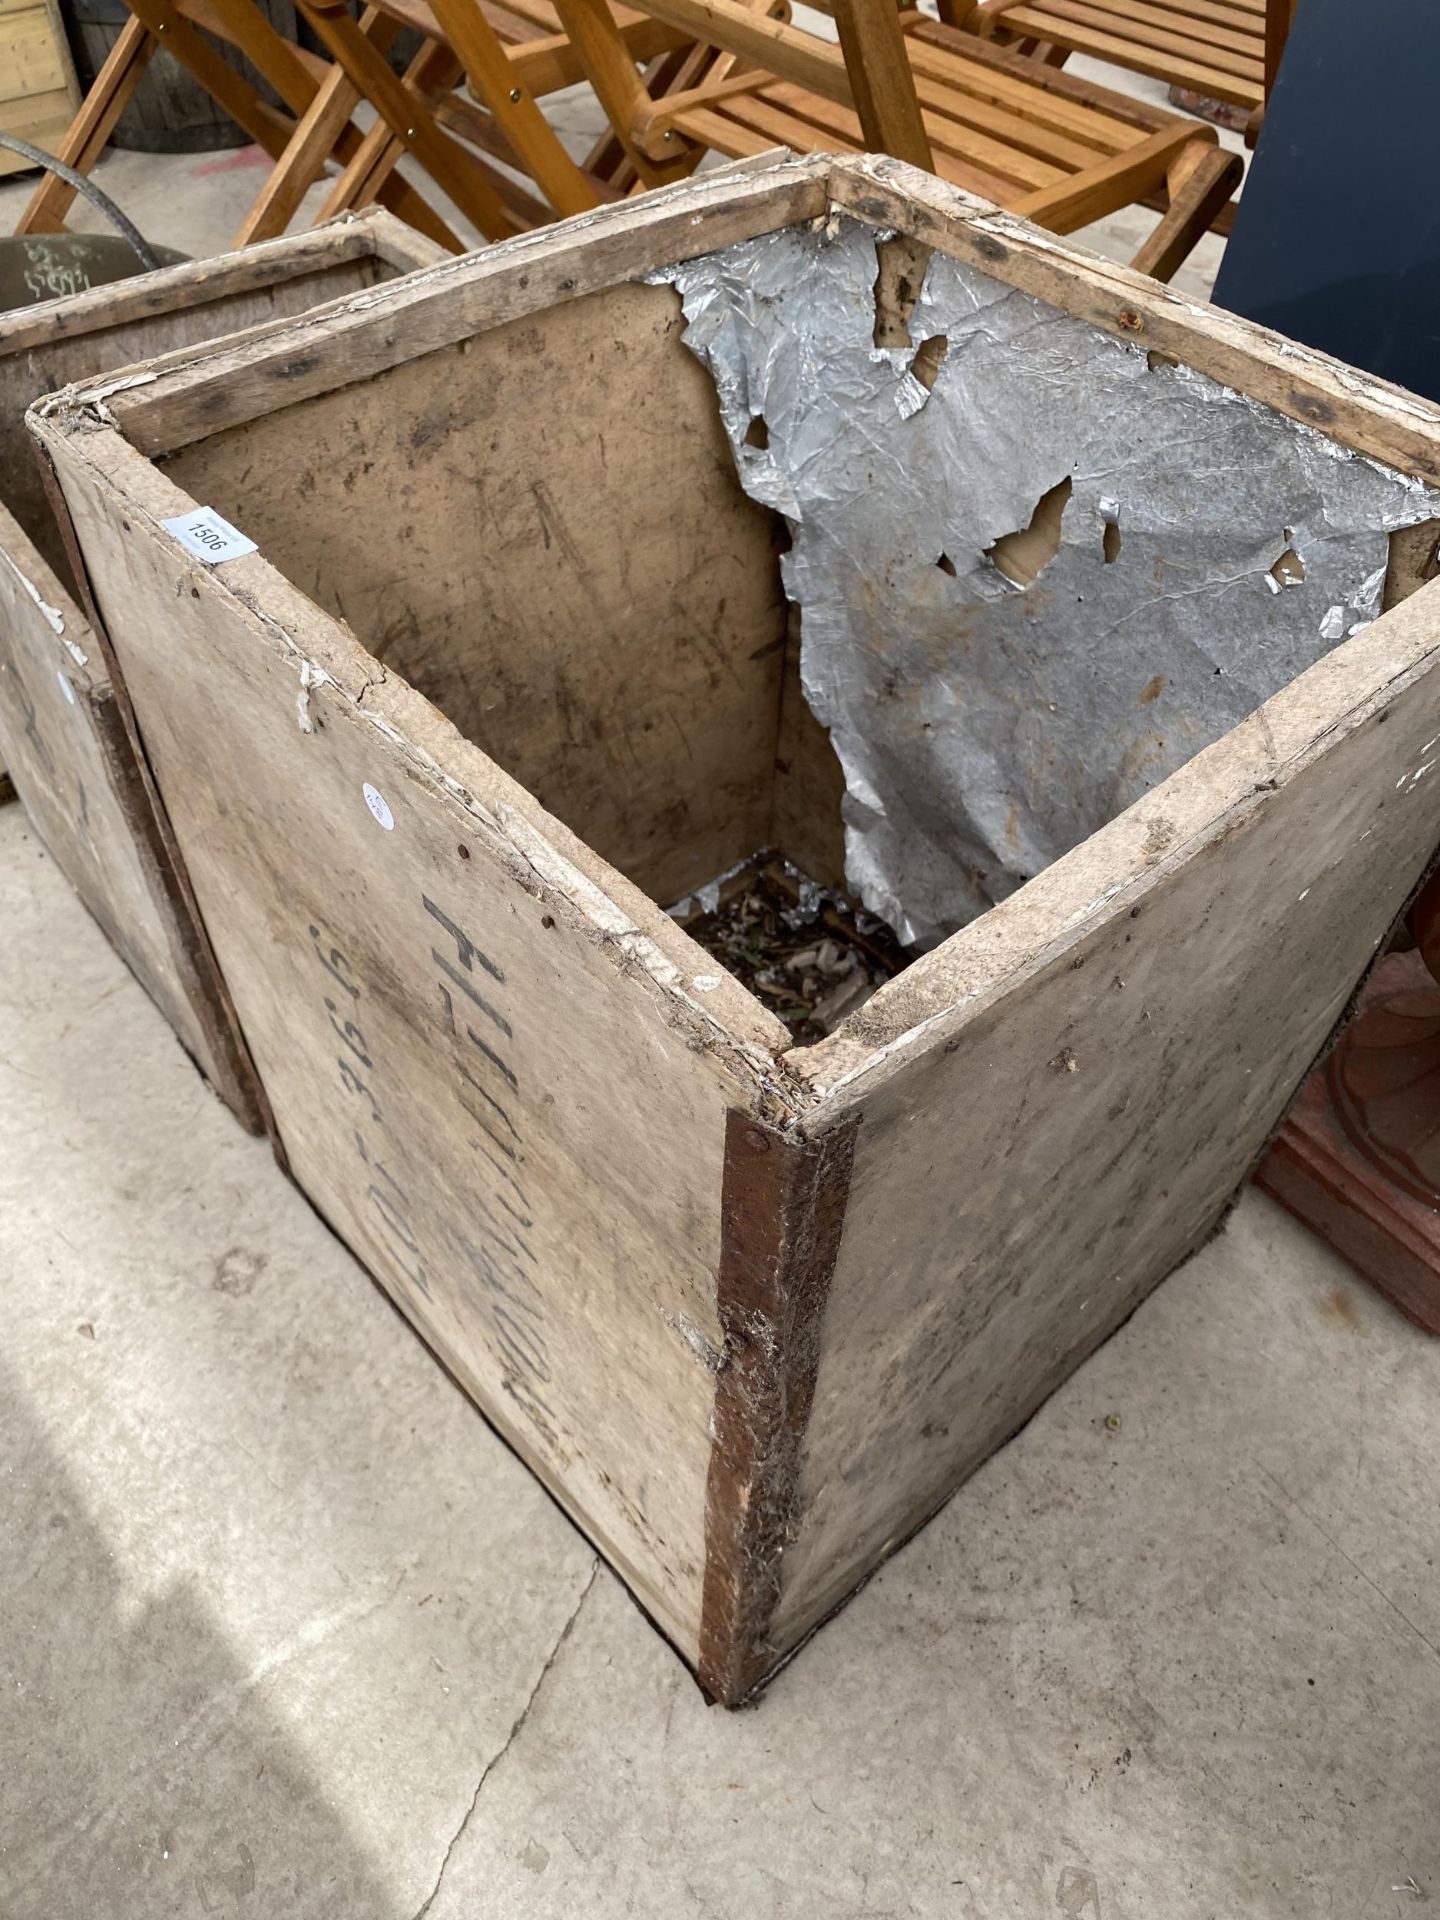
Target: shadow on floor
x=167 y=1785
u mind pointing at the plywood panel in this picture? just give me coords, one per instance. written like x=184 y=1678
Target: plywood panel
x=71 y=760
x=543 y=531
x=1037 y=1161
x=519 y=1136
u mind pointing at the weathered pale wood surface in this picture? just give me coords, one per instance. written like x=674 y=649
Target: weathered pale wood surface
x=1033 y=1163
x=64 y=745
x=71 y=763
x=481 y=1072
x=543 y=531
x=463 y=296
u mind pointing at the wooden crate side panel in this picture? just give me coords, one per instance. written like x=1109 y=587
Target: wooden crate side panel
x=45 y=366
x=1023 y=1178
x=63 y=741
x=543 y=531
x=482 y=1092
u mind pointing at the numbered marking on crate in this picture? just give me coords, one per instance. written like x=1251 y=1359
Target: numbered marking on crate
x=208 y=536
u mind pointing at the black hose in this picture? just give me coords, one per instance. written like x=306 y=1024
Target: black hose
x=107 y=206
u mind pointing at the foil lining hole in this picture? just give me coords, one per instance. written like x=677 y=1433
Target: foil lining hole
x=1023 y=555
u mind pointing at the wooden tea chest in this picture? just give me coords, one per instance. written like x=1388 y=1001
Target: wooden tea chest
x=62 y=726
x=589 y=566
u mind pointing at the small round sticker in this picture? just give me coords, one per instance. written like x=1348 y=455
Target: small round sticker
x=379 y=807
x=66 y=688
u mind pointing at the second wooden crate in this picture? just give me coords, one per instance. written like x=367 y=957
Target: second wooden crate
x=63 y=734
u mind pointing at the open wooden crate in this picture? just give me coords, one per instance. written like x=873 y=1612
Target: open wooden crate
x=62 y=727
x=514 y=670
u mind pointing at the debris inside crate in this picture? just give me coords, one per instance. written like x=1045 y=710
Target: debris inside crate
x=808 y=952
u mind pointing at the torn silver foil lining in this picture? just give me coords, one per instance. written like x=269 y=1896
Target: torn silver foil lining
x=1208 y=551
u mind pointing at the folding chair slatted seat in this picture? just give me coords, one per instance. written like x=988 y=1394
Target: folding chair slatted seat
x=1224 y=49
x=982 y=117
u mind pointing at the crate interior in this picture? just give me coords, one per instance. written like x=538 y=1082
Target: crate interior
x=542 y=530
x=551 y=532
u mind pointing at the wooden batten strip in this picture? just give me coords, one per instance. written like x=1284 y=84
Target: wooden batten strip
x=1234 y=52
x=1208 y=78
x=204 y=391
x=1241 y=37
x=1056 y=100
x=782 y=1210
x=1245 y=13
x=719 y=130
x=190 y=283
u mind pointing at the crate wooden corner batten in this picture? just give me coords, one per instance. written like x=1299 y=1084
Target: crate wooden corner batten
x=512 y=666
x=63 y=731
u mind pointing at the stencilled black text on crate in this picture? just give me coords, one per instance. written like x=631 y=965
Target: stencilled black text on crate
x=482 y=1244
x=493 y=1248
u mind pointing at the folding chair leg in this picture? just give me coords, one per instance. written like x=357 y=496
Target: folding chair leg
x=1201 y=181
x=303 y=161
x=410 y=119
x=369 y=173
x=92 y=126
x=512 y=106
x=324 y=107
x=273 y=57
x=879 y=66
x=229 y=89
x=616 y=82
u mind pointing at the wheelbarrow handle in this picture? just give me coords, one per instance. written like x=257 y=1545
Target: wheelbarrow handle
x=123 y=225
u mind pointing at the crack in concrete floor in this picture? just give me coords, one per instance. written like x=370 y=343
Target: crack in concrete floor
x=516 y=1728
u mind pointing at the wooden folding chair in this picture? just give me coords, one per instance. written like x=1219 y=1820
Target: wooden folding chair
x=297 y=76
x=1033 y=140
x=1224 y=49
x=510 y=54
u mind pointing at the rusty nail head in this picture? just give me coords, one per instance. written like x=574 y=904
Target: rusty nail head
x=1131 y=321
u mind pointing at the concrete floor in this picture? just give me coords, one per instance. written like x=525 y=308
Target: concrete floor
x=288 y=1632
x=285 y=1632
